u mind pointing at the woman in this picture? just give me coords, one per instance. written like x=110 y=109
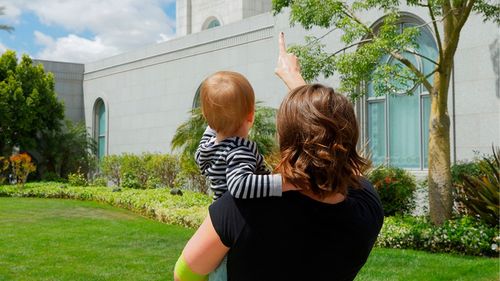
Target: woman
x=326 y=230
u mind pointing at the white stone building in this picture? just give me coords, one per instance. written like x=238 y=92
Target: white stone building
x=133 y=102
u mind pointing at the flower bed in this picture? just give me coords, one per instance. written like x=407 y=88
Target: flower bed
x=464 y=235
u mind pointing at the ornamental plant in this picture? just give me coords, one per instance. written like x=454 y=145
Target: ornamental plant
x=395 y=187
x=21 y=167
x=481 y=194
x=77 y=179
x=465 y=236
x=4 y=168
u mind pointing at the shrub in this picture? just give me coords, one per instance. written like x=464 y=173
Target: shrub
x=77 y=179
x=69 y=150
x=141 y=171
x=21 y=167
x=163 y=169
x=458 y=171
x=98 y=181
x=133 y=170
x=481 y=193
x=395 y=187
x=51 y=176
x=111 y=168
x=190 y=178
x=154 y=182
x=464 y=235
x=4 y=169
x=129 y=180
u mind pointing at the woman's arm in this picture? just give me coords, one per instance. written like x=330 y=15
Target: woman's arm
x=202 y=254
x=288 y=67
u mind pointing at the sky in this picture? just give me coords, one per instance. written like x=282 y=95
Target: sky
x=84 y=30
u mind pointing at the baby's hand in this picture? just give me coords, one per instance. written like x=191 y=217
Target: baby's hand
x=286 y=186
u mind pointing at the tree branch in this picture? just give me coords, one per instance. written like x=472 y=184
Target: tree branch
x=321 y=37
x=452 y=41
x=436 y=30
x=422 y=56
x=413 y=69
x=465 y=14
x=432 y=73
x=350 y=46
x=350 y=14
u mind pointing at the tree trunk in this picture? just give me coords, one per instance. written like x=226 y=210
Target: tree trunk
x=440 y=188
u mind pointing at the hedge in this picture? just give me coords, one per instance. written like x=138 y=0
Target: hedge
x=462 y=236
x=465 y=235
x=187 y=210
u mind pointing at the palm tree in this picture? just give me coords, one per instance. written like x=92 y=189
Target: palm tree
x=188 y=134
x=5 y=27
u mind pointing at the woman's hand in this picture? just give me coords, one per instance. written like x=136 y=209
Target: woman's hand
x=288 y=67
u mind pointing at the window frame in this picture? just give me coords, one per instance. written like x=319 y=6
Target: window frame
x=209 y=20
x=98 y=135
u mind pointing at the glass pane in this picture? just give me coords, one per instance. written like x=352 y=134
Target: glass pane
x=102 y=119
x=404 y=87
x=213 y=23
x=196 y=100
x=385 y=59
x=404 y=131
x=426 y=111
x=369 y=89
x=101 y=147
x=376 y=132
x=427 y=47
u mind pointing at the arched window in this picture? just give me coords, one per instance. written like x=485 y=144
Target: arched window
x=196 y=100
x=211 y=22
x=100 y=127
x=397 y=128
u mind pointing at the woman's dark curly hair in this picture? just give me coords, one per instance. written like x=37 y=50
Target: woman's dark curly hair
x=318 y=134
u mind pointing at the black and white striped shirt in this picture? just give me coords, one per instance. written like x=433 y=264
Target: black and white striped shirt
x=234 y=164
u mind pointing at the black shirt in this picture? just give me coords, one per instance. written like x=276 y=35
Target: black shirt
x=297 y=238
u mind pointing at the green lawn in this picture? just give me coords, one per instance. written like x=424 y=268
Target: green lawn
x=391 y=264
x=52 y=239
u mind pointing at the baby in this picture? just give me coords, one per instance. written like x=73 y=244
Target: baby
x=225 y=155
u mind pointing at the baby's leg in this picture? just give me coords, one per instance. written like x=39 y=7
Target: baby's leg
x=220 y=273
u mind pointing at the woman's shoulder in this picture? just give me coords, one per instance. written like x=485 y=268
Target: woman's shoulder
x=365 y=189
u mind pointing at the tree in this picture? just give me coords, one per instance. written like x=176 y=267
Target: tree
x=69 y=150
x=28 y=104
x=368 y=44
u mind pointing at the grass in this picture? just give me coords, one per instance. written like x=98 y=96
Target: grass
x=392 y=264
x=53 y=239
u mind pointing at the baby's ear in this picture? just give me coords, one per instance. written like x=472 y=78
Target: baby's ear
x=250 y=116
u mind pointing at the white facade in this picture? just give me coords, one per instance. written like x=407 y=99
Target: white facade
x=195 y=15
x=149 y=92
x=68 y=86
